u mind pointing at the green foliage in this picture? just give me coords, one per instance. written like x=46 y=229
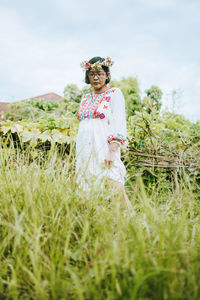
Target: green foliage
x=42 y=104
x=33 y=109
x=154 y=93
x=20 y=111
x=72 y=93
x=40 y=136
x=162 y=133
x=153 y=99
x=169 y=135
x=129 y=87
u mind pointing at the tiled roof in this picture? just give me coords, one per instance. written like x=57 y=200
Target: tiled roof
x=48 y=97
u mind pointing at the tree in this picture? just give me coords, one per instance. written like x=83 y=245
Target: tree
x=153 y=99
x=72 y=93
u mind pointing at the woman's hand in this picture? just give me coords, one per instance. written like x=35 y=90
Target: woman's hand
x=110 y=157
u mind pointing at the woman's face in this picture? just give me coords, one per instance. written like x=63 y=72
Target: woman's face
x=97 y=78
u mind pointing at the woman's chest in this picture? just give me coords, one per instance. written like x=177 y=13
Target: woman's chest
x=95 y=107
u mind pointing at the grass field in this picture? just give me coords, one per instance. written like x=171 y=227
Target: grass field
x=57 y=244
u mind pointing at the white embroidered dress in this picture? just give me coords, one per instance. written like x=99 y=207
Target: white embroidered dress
x=102 y=121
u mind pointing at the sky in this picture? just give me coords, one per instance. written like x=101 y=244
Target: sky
x=42 y=44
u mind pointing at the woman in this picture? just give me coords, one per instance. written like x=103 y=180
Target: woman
x=102 y=131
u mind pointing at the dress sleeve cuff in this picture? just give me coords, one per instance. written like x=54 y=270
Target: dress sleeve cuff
x=119 y=138
x=113 y=141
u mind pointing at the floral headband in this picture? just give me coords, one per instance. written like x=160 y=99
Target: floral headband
x=85 y=65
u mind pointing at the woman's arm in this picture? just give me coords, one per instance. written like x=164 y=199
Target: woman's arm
x=117 y=136
x=117 y=119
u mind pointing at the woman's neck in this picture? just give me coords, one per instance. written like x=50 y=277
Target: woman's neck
x=103 y=89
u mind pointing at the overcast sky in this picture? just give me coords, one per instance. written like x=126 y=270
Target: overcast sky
x=43 y=42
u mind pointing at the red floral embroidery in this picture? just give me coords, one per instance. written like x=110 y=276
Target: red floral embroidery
x=90 y=104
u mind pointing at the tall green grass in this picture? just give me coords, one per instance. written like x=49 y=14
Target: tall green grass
x=55 y=243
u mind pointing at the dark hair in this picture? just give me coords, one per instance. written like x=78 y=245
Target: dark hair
x=92 y=61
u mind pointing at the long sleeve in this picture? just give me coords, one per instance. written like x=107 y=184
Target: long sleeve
x=118 y=131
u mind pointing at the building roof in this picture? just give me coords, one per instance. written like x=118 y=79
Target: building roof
x=48 y=97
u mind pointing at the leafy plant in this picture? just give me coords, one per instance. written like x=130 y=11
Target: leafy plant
x=33 y=110
x=153 y=99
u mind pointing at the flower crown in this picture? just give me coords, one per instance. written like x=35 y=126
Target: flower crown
x=85 y=65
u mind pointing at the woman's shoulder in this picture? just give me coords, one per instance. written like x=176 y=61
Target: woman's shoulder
x=110 y=91
x=114 y=90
